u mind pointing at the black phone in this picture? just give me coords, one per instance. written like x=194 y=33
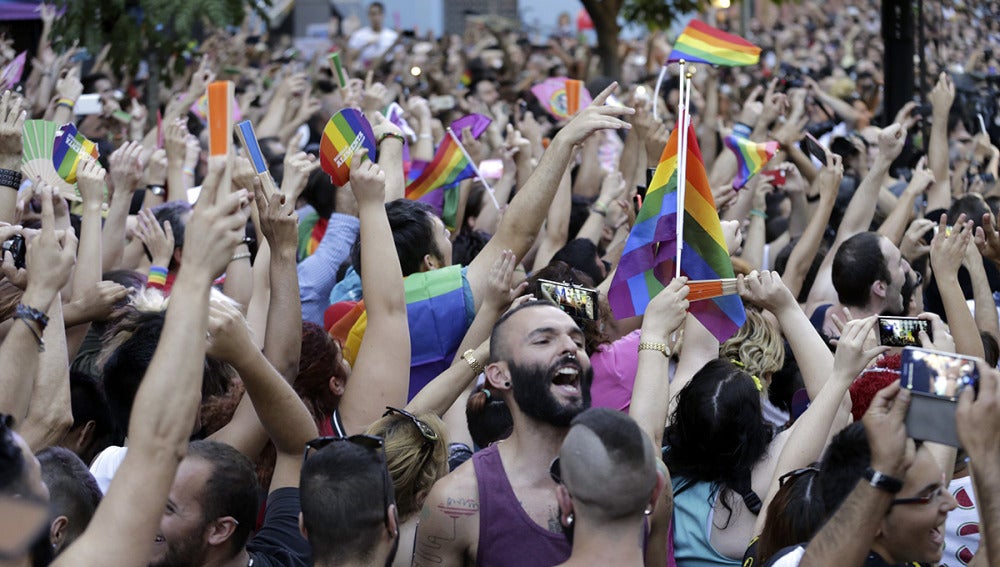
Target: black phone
x=16 y=246
x=902 y=331
x=577 y=301
x=935 y=380
x=812 y=147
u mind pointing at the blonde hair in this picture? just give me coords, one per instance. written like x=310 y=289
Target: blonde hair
x=415 y=463
x=756 y=346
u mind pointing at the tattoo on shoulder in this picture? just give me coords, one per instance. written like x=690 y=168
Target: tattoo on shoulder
x=459 y=507
x=555 y=523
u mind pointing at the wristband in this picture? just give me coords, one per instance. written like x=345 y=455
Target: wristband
x=812 y=198
x=662 y=347
x=758 y=213
x=883 y=481
x=29 y=314
x=425 y=137
x=240 y=256
x=470 y=359
x=741 y=129
x=10 y=178
x=157 y=277
x=385 y=135
x=67 y=102
x=599 y=208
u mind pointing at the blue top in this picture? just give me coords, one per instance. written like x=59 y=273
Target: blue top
x=692 y=525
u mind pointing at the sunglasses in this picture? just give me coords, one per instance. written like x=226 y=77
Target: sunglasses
x=369 y=442
x=792 y=475
x=555 y=471
x=425 y=430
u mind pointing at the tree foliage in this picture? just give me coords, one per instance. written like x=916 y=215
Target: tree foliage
x=154 y=30
x=657 y=14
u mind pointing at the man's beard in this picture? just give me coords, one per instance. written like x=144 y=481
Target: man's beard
x=183 y=552
x=906 y=294
x=531 y=386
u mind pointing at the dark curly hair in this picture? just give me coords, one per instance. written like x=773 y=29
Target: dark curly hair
x=559 y=271
x=718 y=433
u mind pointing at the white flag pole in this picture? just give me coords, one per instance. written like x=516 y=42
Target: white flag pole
x=479 y=176
x=656 y=90
x=682 y=121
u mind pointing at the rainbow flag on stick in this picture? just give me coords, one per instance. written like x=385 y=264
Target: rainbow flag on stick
x=448 y=166
x=648 y=263
x=751 y=157
x=701 y=43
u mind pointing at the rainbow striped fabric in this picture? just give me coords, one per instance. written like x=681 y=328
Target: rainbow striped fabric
x=311 y=231
x=648 y=262
x=751 y=157
x=69 y=148
x=345 y=133
x=448 y=166
x=701 y=43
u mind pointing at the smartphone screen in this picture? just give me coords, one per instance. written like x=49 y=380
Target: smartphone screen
x=577 y=302
x=901 y=331
x=812 y=147
x=940 y=374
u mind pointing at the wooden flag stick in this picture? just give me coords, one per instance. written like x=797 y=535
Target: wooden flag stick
x=220 y=127
x=708 y=289
x=248 y=139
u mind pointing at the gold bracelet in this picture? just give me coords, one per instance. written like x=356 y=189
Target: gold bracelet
x=240 y=256
x=470 y=359
x=662 y=347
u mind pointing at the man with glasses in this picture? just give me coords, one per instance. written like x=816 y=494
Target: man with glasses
x=608 y=484
x=501 y=509
x=349 y=515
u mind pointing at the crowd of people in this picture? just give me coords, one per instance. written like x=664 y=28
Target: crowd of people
x=199 y=371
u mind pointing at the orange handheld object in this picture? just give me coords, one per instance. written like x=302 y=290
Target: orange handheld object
x=708 y=289
x=220 y=117
x=573 y=96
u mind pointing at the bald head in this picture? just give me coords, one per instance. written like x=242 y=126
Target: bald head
x=608 y=465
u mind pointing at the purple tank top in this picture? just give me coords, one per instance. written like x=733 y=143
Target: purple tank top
x=507 y=535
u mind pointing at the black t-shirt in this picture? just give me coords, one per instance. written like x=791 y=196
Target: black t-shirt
x=873 y=559
x=279 y=543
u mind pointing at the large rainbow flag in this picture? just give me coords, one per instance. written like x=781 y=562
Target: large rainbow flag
x=701 y=43
x=648 y=262
x=448 y=166
x=751 y=157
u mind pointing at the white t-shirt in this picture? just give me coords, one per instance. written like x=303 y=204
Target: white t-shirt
x=961 y=529
x=106 y=464
x=370 y=43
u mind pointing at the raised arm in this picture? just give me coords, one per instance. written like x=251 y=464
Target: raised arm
x=377 y=380
x=652 y=392
x=894 y=226
x=985 y=314
x=50 y=413
x=978 y=424
x=556 y=231
x=11 y=122
x=827 y=183
x=124 y=527
x=942 y=97
x=90 y=181
x=126 y=173
x=947 y=252
x=527 y=210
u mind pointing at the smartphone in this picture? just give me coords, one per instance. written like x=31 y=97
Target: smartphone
x=578 y=302
x=812 y=147
x=437 y=103
x=778 y=177
x=17 y=249
x=902 y=331
x=935 y=380
x=88 y=104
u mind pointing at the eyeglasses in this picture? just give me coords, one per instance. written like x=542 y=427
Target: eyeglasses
x=792 y=475
x=921 y=500
x=425 y=430
x=370 y=442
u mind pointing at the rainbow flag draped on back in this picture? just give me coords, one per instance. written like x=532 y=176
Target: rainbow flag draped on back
x=311 y=231
x=647 y=264
x=448 y=166
x=751 y=157
x=701 y=43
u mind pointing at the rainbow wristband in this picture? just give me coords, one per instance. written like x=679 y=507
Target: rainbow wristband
x=157 y=276
x=67 y=102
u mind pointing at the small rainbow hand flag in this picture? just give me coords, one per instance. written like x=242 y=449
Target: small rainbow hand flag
x=345 y=133
x=448 y=166
x=69 y=148
x=650 y=255
x=701 y=43
x=751 y=157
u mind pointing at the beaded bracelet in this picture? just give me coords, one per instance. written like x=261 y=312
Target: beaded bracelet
x=28 y=314
x=385 y=135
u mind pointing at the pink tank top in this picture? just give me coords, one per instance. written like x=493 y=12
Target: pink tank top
x=507 y=535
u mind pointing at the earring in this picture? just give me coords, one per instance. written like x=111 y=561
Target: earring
x=506 y=384
x=648 y=510
x=569 y=519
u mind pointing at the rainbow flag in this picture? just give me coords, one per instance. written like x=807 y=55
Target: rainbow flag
x=448 y=166
x=701 y=43
x=648 y=262
x=311 y=231
x=345 y=133
x=69 y=148
x=751 y=157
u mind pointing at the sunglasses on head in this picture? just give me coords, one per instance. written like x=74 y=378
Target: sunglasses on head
x=369 y=442
x=792 y=475
x=425 y=430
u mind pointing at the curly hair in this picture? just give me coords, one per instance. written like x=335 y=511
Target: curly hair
x=559 y=271
x=757 y=345
x=415 y=463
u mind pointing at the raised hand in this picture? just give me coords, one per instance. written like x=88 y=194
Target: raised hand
x=913 y=245
x=943 y=94
x=278 y=221
x=988 y=239
x=891 y=141
x=126 y=168
x=101 y=300
x=367 y=179
x=947 y=250
x=766 y=290
x=50 y=258
x=156 y=169
x=854 y=350
x=229 y=335
x=159 y=240
x=499 y=293
x=298 y=167
x=665 y=312
x=595 y=117
x=943 y=341
x=216 y=226
x=891 y=448
x=12 y=118
x=90 y=181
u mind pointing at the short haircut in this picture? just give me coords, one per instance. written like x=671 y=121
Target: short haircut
x=858 y=264
x=231 y=489
x=73 y=492
x=412 y=234
x=174 y=212
x=498 y=342
x=972 y=205
x=616 y=482
x=345 y=506
x=843 y=463
x=581 y=254
x=378 y=5
x=89 y=403
x=13 y=479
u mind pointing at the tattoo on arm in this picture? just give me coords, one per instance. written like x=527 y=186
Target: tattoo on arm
x=429 y=549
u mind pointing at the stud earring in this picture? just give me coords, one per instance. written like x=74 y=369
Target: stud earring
x=569 y=519
x=506 y=384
